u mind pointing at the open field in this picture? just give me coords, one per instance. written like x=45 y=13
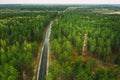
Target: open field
x=111 y=13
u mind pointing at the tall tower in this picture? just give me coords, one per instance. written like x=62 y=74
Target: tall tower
x=84 y=49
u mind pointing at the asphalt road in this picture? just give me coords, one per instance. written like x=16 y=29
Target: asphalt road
x=43 y=63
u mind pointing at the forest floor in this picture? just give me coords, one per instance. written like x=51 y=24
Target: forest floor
x=98 y=64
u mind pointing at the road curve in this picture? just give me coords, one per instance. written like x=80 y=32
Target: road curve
x=42 y=69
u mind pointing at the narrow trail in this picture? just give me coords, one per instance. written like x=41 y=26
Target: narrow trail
x=42 y=69
x=84 y=49
x=99 y=63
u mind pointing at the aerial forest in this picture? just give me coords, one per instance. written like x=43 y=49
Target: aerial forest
x=101 y=60
x=21 y=33
x=72 y=42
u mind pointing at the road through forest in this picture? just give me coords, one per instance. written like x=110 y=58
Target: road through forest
x=42 y=69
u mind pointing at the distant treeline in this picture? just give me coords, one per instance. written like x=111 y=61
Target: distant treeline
x=33 y=7
x=50 y=7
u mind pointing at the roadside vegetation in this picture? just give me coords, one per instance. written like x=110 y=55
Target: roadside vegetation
x=20 y=36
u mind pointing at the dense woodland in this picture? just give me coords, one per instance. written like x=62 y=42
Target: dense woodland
x=20 y=36
x=102 y=59
x=23 y=28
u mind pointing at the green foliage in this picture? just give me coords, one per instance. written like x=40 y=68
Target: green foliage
x=20 y=35
x=67 y=38
x=117 y=60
